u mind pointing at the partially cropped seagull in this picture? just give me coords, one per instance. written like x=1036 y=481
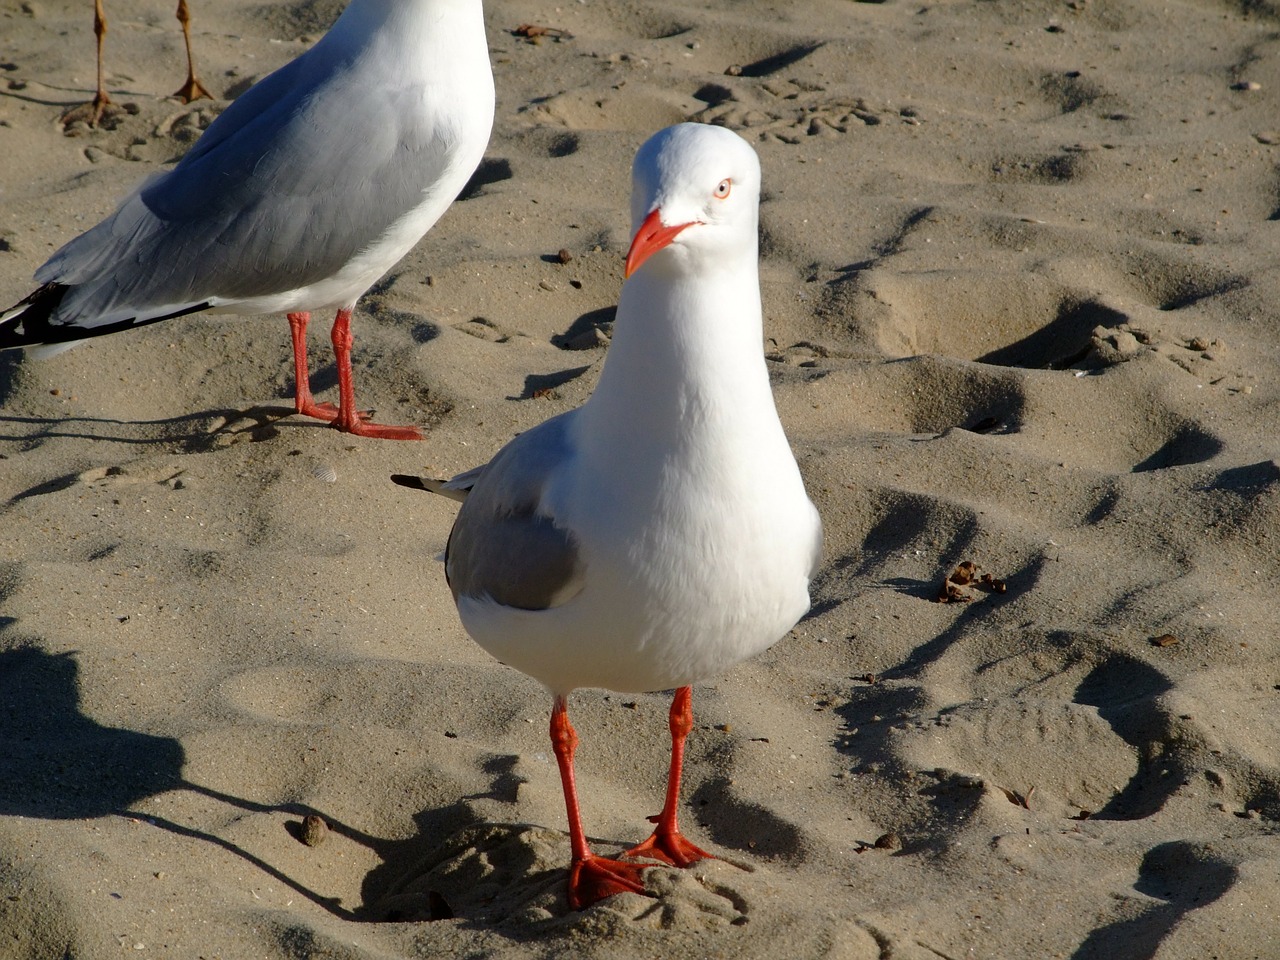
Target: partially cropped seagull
x=660 y=533
x=192 y=89
x=298 y=197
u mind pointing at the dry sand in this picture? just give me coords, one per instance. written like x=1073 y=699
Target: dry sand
x=1020 y=277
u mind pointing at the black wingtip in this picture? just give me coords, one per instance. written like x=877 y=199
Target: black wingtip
x=445 y=488
x=26 y=323
x=413 y=483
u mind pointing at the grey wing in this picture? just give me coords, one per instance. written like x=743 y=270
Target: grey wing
x=295 y=178
x=505 y=545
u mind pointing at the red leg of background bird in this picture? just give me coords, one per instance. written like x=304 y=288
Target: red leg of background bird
x=349 y=419
x=100 y=98
x=193 y=89
x=303 y=402
x=591 y=878
x=93 y=111
x=667 y=843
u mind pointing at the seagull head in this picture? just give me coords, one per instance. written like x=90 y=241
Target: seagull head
x=695 y=191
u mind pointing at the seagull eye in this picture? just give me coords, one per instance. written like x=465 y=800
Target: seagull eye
x=722 y=188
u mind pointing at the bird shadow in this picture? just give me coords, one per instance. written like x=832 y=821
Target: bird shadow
x=45 y=101
x=59 y=764
x=195 y=432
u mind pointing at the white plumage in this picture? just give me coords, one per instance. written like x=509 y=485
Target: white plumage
x=299 y=196
x=660 y=533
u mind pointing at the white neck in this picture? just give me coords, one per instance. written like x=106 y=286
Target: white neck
x=686 y=366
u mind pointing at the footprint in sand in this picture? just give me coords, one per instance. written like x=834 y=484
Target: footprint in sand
x=512 y=876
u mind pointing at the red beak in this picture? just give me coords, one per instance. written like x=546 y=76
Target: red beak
x=649 y=239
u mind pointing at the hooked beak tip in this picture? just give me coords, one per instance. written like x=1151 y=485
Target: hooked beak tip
x=651 y=237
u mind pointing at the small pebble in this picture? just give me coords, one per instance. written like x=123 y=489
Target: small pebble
x=888 y=841
x=1246 y=85
x=733 y=71
x=314 y=830
x=564 y=256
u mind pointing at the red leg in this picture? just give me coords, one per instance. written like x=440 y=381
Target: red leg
x=94 y=109
x=349 y=419
x=303 y=401
x=193 y=89
x=100 y=98
x=666 y=843
x=591 y=878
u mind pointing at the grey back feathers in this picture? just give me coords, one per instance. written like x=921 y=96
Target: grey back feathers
x=300 y=194
x=281 y=215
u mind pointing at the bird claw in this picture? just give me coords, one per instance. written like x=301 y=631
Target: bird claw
x=595 y=878
x=378 y=431
x=193 y=89
x=360 y=425
x=669 y=848
x=320 y=411
x=93 y=112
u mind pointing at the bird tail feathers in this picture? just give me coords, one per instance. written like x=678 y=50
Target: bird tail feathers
x=30 y=322
x=453 y=489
